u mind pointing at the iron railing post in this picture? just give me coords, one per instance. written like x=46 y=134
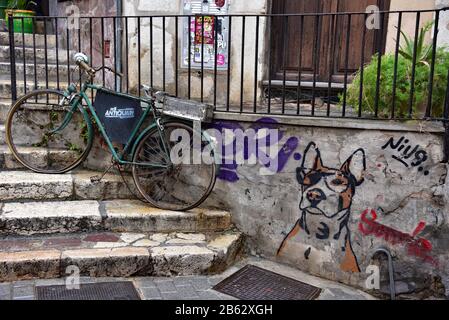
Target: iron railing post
x=446 y=123
x=12 y=58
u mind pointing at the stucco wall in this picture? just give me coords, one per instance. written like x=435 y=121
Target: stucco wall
x=408 y=19
x=409 y=200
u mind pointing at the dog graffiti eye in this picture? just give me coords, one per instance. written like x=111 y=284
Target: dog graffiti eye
x=337 y=182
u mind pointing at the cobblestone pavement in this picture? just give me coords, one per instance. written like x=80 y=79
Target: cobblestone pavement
x=190 y=287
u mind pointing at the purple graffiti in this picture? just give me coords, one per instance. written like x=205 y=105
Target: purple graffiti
x=228 y=170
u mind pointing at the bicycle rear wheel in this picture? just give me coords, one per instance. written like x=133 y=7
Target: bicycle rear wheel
x=38 y=141
x=175 y=181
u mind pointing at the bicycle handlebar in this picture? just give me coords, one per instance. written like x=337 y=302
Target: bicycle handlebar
x=83 y=65
x=81 y=60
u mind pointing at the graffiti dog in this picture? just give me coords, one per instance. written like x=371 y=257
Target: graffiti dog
x=325 y=206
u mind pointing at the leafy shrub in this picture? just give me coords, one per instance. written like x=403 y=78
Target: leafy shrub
x=404 y=79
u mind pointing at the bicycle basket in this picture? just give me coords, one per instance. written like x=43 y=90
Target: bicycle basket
x=118 y=114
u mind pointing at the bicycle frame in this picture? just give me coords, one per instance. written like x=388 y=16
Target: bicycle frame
x=132 y=141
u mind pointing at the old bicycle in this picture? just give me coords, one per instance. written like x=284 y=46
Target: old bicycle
x=60 y=126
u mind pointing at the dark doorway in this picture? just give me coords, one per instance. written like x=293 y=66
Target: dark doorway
x=42 y=7
x=302 y=45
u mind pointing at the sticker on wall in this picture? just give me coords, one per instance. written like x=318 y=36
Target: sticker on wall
x=220 y=3
x=208 y=39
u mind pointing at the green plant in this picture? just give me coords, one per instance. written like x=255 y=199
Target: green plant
x=18 y=4
x=423 y=51
x=73 y=147
x=403 y=82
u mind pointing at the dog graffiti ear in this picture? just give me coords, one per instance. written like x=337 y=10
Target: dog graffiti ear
x=312 y=158
x=356 y=166
x=300 y=175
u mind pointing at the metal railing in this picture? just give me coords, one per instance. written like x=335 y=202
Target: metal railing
x=330 y=65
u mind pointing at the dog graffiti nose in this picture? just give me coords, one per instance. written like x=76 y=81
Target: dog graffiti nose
x=315 y=196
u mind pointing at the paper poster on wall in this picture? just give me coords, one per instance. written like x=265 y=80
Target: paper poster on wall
x=212 y=41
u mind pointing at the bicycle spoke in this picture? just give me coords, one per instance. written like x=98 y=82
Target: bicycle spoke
x=30 y=125
x=180 y=187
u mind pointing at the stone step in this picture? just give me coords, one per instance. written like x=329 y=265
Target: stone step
x=40 y=70
x=31 y=218
x=29 y=186
x=39 y=41
x=5 y=87
x=118 y=254
x=51 y=54
x=2 y=134
x=36 y=156
x=5 y=106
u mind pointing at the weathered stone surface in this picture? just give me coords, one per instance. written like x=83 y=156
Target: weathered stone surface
x=2 y=135
x=134 y=216
x=29 y=265
x=182 y=241
x=159 y=237
x=227 y=247
x=146 y=243
x=24 y=185
x=52 y=71
x=41 y=54
x=39 y=40
x=110 y=187
x=191 y=236
x=51 y=217
x=111 y=255
x=181 y=260
x=32 y=155
x=187 y=238
x=131 y=237
x=118 y=216
x=116 y=262
x=100 y=245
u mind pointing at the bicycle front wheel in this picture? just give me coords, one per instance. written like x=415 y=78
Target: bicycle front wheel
x=173 y=172
x=45 y=136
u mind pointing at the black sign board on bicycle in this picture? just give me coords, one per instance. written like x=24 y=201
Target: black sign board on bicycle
x=119 y=115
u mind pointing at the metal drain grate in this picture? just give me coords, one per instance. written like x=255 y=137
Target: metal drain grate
x=254 y=283
x=90 y=291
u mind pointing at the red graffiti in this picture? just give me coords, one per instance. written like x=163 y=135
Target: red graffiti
x=417 y=247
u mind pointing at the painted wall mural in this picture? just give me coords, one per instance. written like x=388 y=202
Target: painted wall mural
x=325 y=206
x=415 y=246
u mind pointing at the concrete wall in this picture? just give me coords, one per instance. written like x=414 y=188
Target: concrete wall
x=409 y=199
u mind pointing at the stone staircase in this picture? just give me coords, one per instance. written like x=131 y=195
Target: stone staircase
x=51 y=222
